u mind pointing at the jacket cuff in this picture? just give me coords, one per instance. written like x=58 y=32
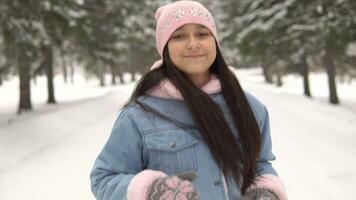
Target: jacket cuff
x=140 y=184
x=271 y=182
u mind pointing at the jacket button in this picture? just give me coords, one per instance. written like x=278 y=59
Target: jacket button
x=173 y=145
x=217 y=183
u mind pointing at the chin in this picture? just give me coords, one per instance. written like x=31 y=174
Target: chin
x=197 y=72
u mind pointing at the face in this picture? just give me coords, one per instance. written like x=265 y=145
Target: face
x=192 y=49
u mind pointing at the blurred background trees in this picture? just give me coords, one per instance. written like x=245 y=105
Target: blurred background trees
x=47 y=37
x=290 y=36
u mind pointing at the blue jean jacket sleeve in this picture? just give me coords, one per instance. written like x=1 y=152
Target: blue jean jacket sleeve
x=264 y=166
x=118 y=162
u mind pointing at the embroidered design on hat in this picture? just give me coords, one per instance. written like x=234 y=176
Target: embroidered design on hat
x=180 y=13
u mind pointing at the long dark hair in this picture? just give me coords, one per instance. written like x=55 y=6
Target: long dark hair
x=237 y=159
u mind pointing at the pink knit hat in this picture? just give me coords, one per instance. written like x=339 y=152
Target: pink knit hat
x=174 y=15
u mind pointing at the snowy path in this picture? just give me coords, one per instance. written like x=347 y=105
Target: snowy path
x=55 y=162
x=55 y=149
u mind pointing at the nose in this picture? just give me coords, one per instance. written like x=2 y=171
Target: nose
x=193 y=43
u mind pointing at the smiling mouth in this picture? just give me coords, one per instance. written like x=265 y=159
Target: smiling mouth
x=194 y=56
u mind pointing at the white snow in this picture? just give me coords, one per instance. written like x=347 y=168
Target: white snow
x=314 y=141
x=319 y=9
x=301 y=27
x=258 y=17
x=351 y=49
x=48 y=153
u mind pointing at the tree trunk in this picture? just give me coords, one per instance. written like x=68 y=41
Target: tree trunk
x=121 y=76
x=49 y=72
x=3 y=70
x=64 y=70
x=101 y=75
x=305 y=74
x=266 y=69
x=71 y=72
x=34 y=79
x=279 y=79
x=102 y=80
x=113 y=75
x=330 y=69
x=24 y=77
x=133 y=78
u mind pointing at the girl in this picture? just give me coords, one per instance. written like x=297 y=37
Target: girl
x=189 y=131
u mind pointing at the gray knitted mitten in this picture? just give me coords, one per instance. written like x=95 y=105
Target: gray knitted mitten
x=260 y=194
x=174 y=188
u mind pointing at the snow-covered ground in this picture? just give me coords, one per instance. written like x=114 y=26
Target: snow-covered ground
x=48 y=153
x=314 y=142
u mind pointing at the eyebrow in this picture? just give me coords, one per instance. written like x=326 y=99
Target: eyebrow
x=199 y=27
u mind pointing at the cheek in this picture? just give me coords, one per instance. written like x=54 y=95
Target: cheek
x=213 y=46
x=173 y=51
x=212 y=51
x=210 y=46
x=214 y=54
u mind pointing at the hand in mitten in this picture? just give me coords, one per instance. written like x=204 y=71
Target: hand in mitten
x=260 y=194
x=174 y=188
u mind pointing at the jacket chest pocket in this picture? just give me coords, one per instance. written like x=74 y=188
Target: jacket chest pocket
x=172 y=151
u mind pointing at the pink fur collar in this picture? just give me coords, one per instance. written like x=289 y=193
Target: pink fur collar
x=165 y=89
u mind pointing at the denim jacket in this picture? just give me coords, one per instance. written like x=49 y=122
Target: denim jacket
x=141 y=140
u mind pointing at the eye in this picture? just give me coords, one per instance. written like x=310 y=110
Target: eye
x=203 y=34
x=177 y=36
